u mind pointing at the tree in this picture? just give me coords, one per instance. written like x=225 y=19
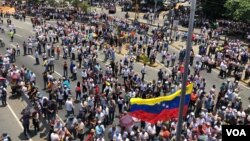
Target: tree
x=52 y=3
x=84 y=6
x=213 y=9
x=75 y=3
x=238 y=10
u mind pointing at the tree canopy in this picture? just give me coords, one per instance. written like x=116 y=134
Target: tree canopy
x=213 y=9
x=84 y=6
x=238 y=10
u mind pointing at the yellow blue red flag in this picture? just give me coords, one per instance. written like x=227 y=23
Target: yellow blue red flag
x=161 y=108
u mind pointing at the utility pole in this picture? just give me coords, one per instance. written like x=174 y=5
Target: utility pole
x=136 y=10
x=172 y=15
x=184 y=80
x=155 y=10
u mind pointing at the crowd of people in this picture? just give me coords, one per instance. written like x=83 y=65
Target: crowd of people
x=103 y=92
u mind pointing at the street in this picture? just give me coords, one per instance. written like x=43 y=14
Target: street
x=9 y=121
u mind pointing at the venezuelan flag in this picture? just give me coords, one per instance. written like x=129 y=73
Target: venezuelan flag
x=161 y=108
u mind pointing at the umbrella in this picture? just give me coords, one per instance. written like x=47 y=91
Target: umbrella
x=2 y=78
x=126 y=121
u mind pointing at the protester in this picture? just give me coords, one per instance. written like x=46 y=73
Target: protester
x=100 y=89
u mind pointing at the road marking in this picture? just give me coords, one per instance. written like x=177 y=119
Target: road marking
x=18 y=35
x=60 y=76
x=15 y=116
x=54 y=71
x=58 y=73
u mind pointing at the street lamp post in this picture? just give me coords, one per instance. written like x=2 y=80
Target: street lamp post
x=155 y=10
x=172 y=14
x=136 y=10
x=184 y=80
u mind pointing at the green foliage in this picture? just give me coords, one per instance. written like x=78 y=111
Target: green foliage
x=84 y=6
x=52 y=3
x=75 y=3
x=213 y=9
x=144 y=59
x=238 y=10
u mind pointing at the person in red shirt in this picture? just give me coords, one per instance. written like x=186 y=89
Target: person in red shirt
x=97 y=89
x=90 y=136
x=78 y=91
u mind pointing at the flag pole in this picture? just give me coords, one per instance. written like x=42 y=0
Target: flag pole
x=186 y=65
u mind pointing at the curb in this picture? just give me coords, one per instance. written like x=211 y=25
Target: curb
x=243 y=81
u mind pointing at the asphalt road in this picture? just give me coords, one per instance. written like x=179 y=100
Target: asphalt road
x=211 y=78
x=24 y=30
x=10 y=123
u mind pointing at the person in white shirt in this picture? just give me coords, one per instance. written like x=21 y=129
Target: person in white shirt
x=80 y=129
x=54 y=136
x=33 y=78
x=151 y=131
x=74 y=73
x=223 y=69
x=69 y=106
x=143 y=135
x=84 y=74
x=101 y=139
x=6 y=62
x=117 y=136
x=60 y=96
x=100 y=115
x=48 y=47
x=18 y=50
